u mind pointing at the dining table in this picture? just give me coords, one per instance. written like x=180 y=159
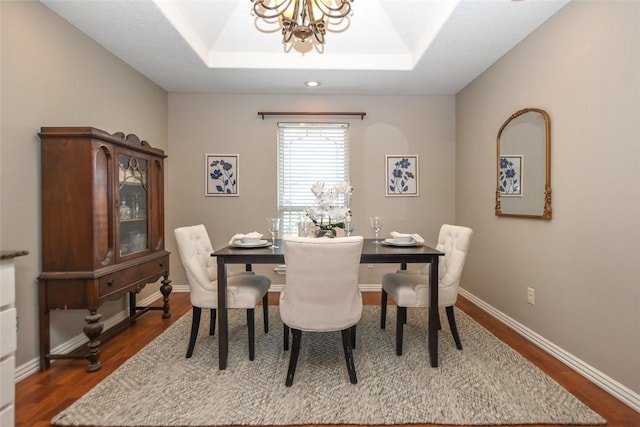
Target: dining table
x=372 y=253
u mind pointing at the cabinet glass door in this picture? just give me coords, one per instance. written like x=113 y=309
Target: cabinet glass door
x=132 y=173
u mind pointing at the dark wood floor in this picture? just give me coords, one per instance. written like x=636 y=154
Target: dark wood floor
x=42 y=395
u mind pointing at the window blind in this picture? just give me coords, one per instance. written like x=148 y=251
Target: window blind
x=308 y=152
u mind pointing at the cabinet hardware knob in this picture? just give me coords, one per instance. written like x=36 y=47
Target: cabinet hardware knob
x=110 y=282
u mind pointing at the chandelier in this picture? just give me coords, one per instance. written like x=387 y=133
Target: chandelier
x=302 y=18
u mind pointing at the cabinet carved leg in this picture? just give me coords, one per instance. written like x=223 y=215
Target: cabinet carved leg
x=165 y=289
x=92 y=330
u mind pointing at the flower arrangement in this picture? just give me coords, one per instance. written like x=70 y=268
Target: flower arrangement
x=332 y=205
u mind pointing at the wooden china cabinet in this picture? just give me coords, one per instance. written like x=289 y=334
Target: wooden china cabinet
x=102 y=229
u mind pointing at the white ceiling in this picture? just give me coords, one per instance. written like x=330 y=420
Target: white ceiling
x=390 y=47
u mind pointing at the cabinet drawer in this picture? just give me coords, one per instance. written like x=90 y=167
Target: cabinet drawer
x=7 y=382
x=137 y=274
x=8 y=332
x=7 y=416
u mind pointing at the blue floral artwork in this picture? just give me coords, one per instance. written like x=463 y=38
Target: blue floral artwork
x=402 y=175
x=222 y=174
x=511 y=175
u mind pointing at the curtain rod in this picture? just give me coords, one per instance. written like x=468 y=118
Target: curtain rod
x=341 y=113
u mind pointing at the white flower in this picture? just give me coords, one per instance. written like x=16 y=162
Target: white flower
x=338 y=213
x=343 y=188
x=318 y=189
x=332 y=205
x=314 y=213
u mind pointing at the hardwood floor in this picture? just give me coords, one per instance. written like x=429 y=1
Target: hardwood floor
x=41 y=396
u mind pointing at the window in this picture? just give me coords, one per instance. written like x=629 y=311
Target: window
x=308 y=152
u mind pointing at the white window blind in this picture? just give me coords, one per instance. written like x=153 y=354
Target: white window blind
x=308 y=152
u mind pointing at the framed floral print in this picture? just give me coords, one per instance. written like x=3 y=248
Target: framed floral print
x=221 y=174
x=402 y=175
x=511 y=175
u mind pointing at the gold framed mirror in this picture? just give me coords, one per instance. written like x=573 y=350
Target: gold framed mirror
x=523 y=167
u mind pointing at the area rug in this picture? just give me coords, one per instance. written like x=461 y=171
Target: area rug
x=487 y=383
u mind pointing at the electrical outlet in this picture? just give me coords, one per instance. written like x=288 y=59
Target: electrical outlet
x=531 y=296
x=369 y=265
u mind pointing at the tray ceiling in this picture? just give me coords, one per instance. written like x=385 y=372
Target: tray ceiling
x=390 y=47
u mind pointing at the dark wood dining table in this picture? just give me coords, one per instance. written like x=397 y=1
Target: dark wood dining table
x=371 y=254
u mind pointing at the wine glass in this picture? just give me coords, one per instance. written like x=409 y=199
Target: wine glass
x=376 y=226
x=274 y=228
x=305 y=228
x=348 y=225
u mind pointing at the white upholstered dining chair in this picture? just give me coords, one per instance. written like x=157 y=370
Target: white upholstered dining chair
x=244 y=289
x=321 y=292
x=411 y=289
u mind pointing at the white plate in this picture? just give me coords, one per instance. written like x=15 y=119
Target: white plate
x=393 y=242
x=258 y=244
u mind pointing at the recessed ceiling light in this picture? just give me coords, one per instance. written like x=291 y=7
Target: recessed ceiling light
x=312 y=83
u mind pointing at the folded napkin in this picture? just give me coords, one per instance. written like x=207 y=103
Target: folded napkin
x=238 y=237
x=416 y=237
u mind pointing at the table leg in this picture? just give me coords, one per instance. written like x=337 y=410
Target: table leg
x=223 y=326
x=433 y=312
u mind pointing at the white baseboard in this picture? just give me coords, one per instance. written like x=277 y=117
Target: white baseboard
x=611 y=386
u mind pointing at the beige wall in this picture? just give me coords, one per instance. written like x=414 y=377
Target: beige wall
x=53 y=75
x=229 y=124
x=583 y=68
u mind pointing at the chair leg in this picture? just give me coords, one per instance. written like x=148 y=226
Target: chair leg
x=286 y=337
x=293 y=359
x=212 y=322
x=383 y=309
x=348 y=355
x=195 y=325
x=453 y=327
x=401 y=318
x=251 y=326
x=265 y=311
x=353 y=336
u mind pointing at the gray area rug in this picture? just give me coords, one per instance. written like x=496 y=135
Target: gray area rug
x=485 y=383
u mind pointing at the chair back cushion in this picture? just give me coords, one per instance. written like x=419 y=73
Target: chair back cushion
x=454 y=241
x=321 y=290
x=194 y=247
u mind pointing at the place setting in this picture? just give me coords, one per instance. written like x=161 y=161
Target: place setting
x=403 y=239
x=249 y=240
x=397 y=238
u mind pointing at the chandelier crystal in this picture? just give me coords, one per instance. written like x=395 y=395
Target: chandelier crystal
x=302 y=19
